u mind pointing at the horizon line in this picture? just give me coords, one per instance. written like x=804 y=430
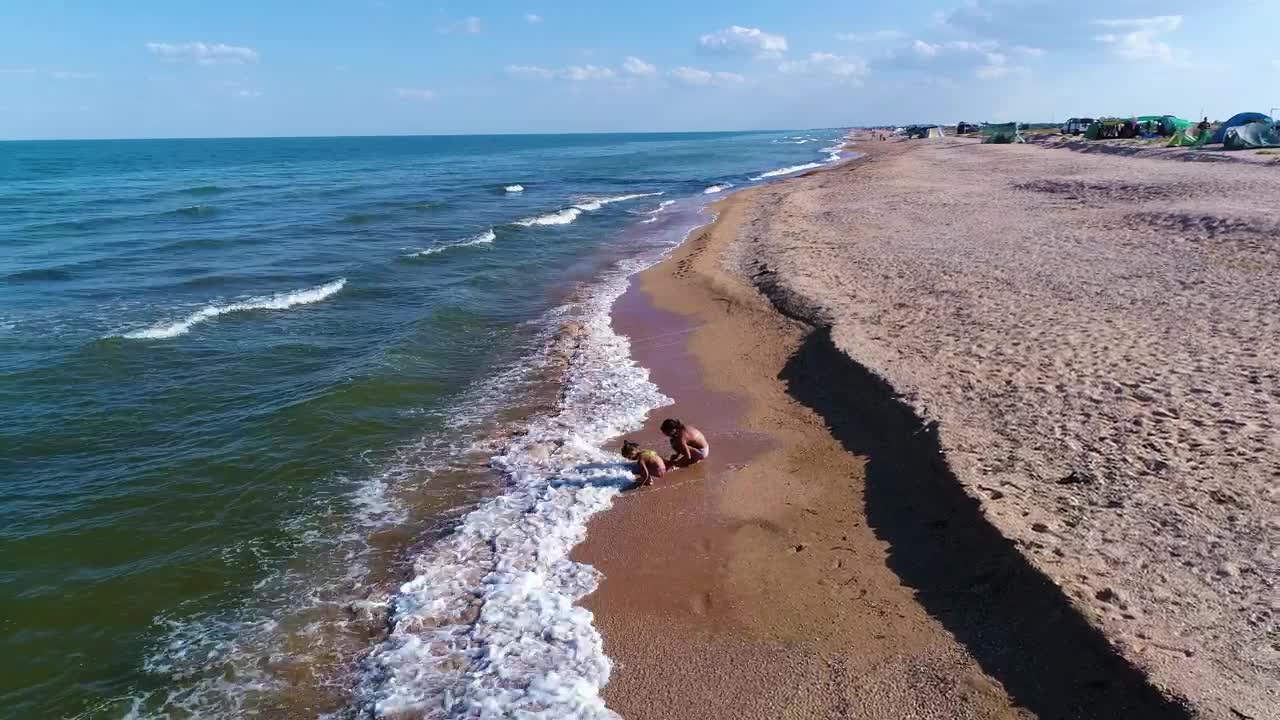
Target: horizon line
x=414 y=135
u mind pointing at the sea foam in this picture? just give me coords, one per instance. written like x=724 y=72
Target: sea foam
x=559 y=217
x=488 y=625
x=280 y=301
x=571 y=213
x=484 y=238
x=787 y=170
x=718 y=188
x=514 y=188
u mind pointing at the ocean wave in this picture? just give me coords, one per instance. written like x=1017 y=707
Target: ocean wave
x=720 y=187
x=514 y=188
x=195 y=211
x=590 y=204
x=202 y=190
x=787 y=170
x=489 y=619
x=40 y=275
x=571 y=213
x=280 y=301
x=483 y=238
x=560 y=217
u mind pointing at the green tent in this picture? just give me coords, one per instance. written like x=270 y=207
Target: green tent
x=1160 y=124
x=1003 y=134
x=1253 y=135
x=1190 y=136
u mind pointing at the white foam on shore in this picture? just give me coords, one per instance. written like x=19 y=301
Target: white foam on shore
x=280 y=301
x=514 y=188
x=488 y=626
x=718 y=188
x=787 y=171
x=484 y=238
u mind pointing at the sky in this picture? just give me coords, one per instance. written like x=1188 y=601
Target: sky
x=158 y=68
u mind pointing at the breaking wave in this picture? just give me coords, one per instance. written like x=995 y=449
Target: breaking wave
x=280 y=301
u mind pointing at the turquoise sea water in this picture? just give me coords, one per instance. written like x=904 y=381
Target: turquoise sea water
x=244 y=382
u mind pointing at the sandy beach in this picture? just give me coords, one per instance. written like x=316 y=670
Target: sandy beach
x=995 y=437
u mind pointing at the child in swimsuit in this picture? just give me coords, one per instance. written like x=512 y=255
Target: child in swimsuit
x=649 y=464
x=688 y=442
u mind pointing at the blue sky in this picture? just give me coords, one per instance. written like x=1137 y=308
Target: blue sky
x=147 y=68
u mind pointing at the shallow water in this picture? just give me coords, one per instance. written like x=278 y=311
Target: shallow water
x=245 y=385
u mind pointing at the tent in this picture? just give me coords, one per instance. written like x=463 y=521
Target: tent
x=924 y=131
x=1237 y=120
x=1252 y=135
x=1002 y=134
x=1109 y=128
x=1190 y=136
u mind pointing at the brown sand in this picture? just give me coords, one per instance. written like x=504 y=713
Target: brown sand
x=777 y=580
x=1094 y=342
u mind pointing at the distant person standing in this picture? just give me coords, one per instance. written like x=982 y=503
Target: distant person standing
x=688 y=442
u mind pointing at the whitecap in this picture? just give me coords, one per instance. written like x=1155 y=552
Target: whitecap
x=484 y=238
x=280 y=301
x=590 y=204
x=717 y=188
x=569 y=214
x=514 y=188
x=559 y=217
x=787 y=170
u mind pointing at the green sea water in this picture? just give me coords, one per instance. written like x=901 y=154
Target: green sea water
x=241 y=378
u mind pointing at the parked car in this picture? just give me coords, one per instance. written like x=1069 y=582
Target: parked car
x=1076 y=126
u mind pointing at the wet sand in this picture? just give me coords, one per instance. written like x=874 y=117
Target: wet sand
x=821 y=563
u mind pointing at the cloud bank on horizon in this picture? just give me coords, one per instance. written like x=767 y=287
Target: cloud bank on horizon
x=383 y=66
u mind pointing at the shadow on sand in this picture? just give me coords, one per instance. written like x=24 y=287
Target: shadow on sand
x=1017 y=624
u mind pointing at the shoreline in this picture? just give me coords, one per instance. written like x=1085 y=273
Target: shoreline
x=691 y=606
x=763 y=583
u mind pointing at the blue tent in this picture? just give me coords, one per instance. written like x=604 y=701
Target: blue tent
x=1236 y=121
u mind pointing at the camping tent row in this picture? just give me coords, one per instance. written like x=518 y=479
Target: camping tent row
x=914 y=132
x=1242 y=131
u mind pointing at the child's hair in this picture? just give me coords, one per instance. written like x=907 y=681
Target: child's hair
x=629 y=449
x=671 y=425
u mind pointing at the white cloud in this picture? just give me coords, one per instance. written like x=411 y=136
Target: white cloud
x=71 y=75
x=575 y=73
x=1140 y=42
x=997 y=66
x=579 y=73
x=875 y=36
x=203 y=53
x=702 y=78
x=418 y=94
x=738 y=40
x=1033 y=52
x=532 y=18
x=1159 y=23
x=531 y=71
x=851 y=69
x=249 y=93
x=639 y=68
x=55 y=74
x=924 y=49
x=466 y=26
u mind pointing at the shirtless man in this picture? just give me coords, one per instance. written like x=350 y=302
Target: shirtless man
x=687 y=441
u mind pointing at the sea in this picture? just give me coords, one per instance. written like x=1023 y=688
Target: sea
x=307 y=427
